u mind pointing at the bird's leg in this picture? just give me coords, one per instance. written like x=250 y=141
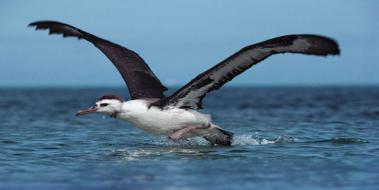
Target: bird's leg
x=182 y=132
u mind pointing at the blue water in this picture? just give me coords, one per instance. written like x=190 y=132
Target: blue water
x=285 y=138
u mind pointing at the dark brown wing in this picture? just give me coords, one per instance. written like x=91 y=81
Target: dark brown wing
x=140 y=80
x=192 y=94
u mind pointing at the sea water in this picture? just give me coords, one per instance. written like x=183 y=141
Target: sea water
x=285 y=138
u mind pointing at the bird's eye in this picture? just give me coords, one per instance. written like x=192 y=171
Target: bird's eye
x=103 y=104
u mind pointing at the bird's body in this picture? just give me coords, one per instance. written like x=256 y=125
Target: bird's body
x=170 y=121
x=161 y=121
x=176 y=115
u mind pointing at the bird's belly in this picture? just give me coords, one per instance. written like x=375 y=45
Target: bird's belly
x=159 y=121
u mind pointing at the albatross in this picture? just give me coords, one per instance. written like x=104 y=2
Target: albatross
x=177 y=115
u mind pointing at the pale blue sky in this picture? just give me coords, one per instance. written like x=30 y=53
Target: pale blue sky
x=180 y=39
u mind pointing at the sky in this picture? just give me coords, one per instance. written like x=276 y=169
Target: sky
x=181 y=39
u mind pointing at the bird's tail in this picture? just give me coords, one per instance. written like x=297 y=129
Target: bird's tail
x=219 y=136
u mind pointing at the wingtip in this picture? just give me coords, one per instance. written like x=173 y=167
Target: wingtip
x=335 y=50
x=337 y=54
x=36 y=23
x=32 y=24
x=330 y=45
x=338 y=50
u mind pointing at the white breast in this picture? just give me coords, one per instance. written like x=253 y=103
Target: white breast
x=156 y=120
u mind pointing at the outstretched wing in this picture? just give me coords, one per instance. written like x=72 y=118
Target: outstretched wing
x=192 y=94
x=140 y=80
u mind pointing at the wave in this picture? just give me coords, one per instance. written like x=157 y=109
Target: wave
x=161 y=147
x=341 y=140
x=251 y=139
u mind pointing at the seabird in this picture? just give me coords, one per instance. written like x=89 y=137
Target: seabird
x=176 y=115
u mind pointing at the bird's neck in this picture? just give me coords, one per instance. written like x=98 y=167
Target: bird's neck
x=115 y=114
x=131 y=109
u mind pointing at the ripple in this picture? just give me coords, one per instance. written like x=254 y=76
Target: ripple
x=343 y=140
x=8 y=141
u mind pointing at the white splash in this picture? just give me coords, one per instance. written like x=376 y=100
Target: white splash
x=246 y=139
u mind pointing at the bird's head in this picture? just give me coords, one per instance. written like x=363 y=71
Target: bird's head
x=109 y=104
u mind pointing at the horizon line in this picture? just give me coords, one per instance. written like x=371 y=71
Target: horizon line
x=178 y=86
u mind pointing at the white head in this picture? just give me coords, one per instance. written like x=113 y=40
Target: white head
x=109 y=104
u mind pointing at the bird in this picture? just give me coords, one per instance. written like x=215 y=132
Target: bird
x=178 y=115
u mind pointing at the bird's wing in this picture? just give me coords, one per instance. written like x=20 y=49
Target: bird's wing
x=140 y=80
x=192 y=94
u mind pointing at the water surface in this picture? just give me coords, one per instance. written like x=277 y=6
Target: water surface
x=285 y=138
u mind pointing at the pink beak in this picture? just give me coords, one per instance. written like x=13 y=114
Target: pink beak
x=92 y=109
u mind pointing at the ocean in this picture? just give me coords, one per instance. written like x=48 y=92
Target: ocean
x=285 y=138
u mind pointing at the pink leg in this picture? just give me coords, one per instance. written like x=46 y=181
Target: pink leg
x=182 y=132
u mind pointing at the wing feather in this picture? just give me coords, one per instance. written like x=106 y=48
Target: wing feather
x=140 y=80
x=192 y=94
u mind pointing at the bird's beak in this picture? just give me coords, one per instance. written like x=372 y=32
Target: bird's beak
x=92 y=109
